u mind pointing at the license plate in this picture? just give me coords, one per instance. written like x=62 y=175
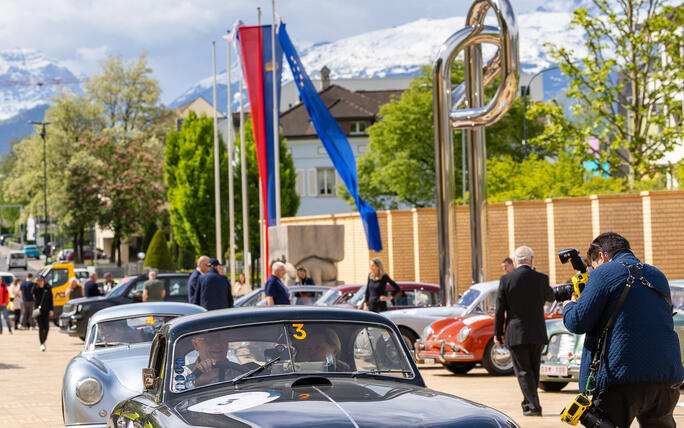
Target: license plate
x=553 y=370
x=428 y=361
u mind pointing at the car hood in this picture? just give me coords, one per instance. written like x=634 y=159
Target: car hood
x=86 y=300
x=436 y=312
x=123 y=363
x=340 y=402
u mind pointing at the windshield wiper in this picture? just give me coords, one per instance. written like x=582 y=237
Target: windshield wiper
x=254 y=370
x=377 y=372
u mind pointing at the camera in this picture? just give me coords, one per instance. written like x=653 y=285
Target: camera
x=564 y=292
x=582 y=410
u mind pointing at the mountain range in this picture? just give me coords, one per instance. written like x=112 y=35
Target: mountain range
x=398 y=51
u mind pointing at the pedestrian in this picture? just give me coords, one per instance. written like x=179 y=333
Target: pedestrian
x=202 y=268
x=638 y=362
x=27 y=302
x=213 y=290
x=109 y=283
x=153 y=289
x=276 y=292
x=507 y=265
x=42 y=293
x=4 y=301
x=520 y=306
x=91 y=288
x=376 y=298
x=303 y=277
x=75 y=290
x=240 y=286
x=15 y=299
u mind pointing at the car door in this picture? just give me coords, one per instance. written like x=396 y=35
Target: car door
x=176 y=288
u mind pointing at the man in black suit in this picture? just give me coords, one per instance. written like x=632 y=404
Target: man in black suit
x=520 y=303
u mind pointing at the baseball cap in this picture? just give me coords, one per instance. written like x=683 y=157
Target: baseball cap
x=214 y=262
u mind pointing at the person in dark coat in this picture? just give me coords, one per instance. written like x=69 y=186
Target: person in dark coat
x=303 y=277
x=91 y=288
x=193 y=281
x=213 y=290
x=42 y=293
x=27 y=302
x=520 y=305
x=376 y=289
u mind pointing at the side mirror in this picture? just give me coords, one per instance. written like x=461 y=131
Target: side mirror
x=149 y=379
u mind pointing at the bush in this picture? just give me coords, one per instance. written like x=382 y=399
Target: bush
x=158 y=255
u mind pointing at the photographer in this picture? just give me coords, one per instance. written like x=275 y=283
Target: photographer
x=640 y=367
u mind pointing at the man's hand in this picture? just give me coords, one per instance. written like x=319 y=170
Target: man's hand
x=573 y=297
x=52 y=313
x=497 y=341
x=206 y=365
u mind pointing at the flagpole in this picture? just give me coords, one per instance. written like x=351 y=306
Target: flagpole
x=245 y=206
x=217 y=170
x=262 y=236
x=231 y=182
x=276 y=131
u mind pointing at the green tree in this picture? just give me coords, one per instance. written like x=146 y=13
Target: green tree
x=158 y=255
x=625 y=89
x=189 y=172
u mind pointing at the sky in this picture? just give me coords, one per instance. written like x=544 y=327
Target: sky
x=177 y=34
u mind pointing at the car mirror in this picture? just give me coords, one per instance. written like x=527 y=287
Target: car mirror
x=149 y=379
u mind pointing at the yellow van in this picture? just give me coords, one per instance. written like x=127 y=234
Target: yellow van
x=58 y=276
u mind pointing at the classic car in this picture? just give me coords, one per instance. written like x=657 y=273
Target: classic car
x=414 y=295
x=459 y=343
x=75 y=314
x=289 y=367
x=338 y=295
x=411 y=322
x=31 y=251
x=108 y=368
x=561 y=358
x=299 y=295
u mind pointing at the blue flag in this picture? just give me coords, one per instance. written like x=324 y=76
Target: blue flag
x=333 y=139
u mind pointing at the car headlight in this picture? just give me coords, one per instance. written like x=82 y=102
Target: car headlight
x=427 y=332
x=463 y=334
x=89 y=391
x=79 y=308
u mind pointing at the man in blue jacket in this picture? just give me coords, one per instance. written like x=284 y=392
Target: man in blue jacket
x=193 y=281
x=642 y=367
x=213 y=290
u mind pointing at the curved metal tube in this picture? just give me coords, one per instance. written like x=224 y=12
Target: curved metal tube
x=448 y=116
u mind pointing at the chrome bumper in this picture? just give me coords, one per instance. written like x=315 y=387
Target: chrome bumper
x=443 y=356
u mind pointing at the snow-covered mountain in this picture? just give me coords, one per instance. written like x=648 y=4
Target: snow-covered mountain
x=404 y=49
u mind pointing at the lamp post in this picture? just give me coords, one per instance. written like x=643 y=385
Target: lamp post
x=45 y=218
x=525 y=92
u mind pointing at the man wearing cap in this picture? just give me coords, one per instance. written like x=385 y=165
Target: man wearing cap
x=213 y=289
x=276 y=292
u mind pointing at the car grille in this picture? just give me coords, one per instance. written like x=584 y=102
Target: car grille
x=561 y=347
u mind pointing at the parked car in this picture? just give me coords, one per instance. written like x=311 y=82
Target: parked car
x=16 y=259
x=290 y=367
x=338 y=295
x=414 y=295
x=299 y=295
x=87 y=254
x=31 y=251
x=412 y=322
x=63 y=254
x=82 y=275
x=561 y=358
x=77 y=312
x=116 y=349
x=459 y=343
x=3 y=238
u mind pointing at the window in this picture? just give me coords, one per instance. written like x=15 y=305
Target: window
x=57 y=277
x=325 y=178
x=299 y=182
x=358 y=128
x=178 y=286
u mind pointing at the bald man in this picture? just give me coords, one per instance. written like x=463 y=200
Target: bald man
x=202 y=268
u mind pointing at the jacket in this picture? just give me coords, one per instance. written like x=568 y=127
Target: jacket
x=193 y=282
x=4 y=294
x=45 y=303
x=213 y=291
x=642 y=345
x=520 y=302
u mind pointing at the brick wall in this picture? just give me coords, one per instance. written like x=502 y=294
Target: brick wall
x=651 y=221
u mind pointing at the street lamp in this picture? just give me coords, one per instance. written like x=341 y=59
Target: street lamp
x=525 y=92
x=42 y=135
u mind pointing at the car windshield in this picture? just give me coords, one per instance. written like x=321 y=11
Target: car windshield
x=120 y=288
x=677 y=294
x=231 y=354
x=17 y=255
x=358 y=297
x=468 y=297
x=328 y=298
x=126 y=331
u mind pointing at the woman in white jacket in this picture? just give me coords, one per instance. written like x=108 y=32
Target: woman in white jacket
x=15 y=301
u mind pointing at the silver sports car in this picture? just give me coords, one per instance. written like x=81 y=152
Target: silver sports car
x=116 y=348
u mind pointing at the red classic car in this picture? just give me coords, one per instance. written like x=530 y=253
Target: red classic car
x=459 y=343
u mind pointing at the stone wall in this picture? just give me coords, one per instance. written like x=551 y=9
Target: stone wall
x=653 y=222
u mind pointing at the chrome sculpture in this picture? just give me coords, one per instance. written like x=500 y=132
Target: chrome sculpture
x=472 y=120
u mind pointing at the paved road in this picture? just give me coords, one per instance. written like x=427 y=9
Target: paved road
x=33 y=265
x=31 y=384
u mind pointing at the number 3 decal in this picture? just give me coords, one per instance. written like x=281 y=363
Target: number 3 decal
x=301 y=334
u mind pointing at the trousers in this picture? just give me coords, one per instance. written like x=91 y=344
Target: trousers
x=651 y=403
x=526 y=360
x=17 y=318
x=26 y=317
x=5 y=314
x=43 y=327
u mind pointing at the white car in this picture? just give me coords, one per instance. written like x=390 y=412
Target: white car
x=16 y=259
x=81 y=275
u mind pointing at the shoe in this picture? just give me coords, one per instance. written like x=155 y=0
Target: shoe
x=42 y=348
x=537 y=412
x=11 y=332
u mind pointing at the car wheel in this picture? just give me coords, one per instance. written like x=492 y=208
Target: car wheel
x=497 y=359
x=552 y=386
x=409 y=339
x=459 y=368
